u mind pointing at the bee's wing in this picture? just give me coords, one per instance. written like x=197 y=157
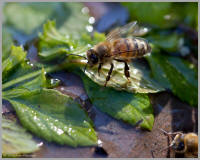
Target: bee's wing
x=120 y=31
x=130 y=29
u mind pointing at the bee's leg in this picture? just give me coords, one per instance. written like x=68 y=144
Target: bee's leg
x=99 y=68
x=126 y=71
x=109 y=73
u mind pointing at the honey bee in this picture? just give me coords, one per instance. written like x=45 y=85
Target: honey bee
x=186 y=144
x=118 y=48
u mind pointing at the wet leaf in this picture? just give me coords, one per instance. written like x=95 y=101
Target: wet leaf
x=17 y=55
x=51 y=37
x=52 y=44
x=16 y=67
x=15 y=140
x=49 y=114
x=176 y=74
x=53 y=116
x=140 y=80
x=38 y=82
x=125 y=106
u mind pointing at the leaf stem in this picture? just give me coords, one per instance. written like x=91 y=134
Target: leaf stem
x=28 y=76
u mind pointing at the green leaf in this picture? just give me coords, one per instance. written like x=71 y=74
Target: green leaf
x=15 y=140
x=128 y=107
x=177 y=74
x=163 y=14
x=52 y=44
x=15 y=66
x=27 y=16
x=53 y=116
x=51 y=37
x=17 y=55
x=7 y=42
x=54 y=53
x=169 y=43
x=150 y=12
x=140 y=80
x=75 y=14
x=38 y=82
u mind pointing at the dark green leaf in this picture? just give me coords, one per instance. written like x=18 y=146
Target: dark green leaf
x=53 y=116
x=150 y=12
x=176 y=74
x=128 y=107
x=169 y=43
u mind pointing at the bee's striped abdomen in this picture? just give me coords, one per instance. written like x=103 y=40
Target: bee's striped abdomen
x=130 y=48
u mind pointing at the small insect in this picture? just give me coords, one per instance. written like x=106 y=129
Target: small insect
x=186 y=144
x=120 y=49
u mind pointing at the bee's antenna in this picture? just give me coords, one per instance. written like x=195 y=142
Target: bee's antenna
x=169 y=133
x=82 y=57
x=77 y=55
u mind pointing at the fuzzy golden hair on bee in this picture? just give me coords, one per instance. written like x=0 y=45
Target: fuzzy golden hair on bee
x=118 y=48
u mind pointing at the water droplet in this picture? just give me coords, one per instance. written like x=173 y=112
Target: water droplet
x=85 y=10
x=145 y=29
x=54 y=81
x=167 y=17
x=89 y=45
x=40 y=144
x=91 y=20
x=70 y=129
x=67 y=36
x=191 y=66
x=89 y=28
x=22 y=47
x=35 y=118
x=71 y=48
x=185 y=51
x=60 y=131
x=135 y=71
x=100 y=143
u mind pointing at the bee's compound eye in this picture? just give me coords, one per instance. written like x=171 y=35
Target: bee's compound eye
x=93 y=58
x=180 y=146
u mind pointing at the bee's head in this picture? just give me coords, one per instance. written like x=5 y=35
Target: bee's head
x=178 y=144
x=92 y=57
